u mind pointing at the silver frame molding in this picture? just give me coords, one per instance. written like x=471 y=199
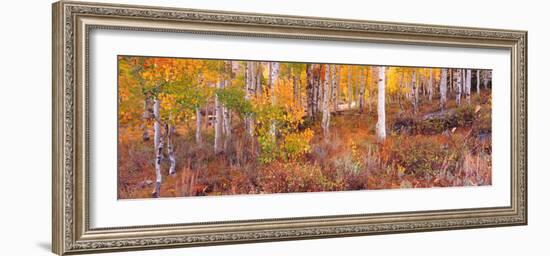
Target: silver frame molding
x=72 y=23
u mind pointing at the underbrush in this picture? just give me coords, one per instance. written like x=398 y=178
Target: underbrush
x=435 y=149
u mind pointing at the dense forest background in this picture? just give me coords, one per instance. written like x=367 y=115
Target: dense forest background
x=192 y=127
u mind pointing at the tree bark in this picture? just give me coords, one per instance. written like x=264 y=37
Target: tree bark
x=381 y=124
x=321 y=91
x=430 y=86
x=315 y=88
x=227 y=111
x=227 y=128
x=198 y=135
x=272 y=83
x=170 y=145
x=158 y=142
x=251 y=90
x=335 y=87
x=414 y=92
x=458 y=82
x=309 y=90
x=326 y=96
x=451 y=80
x=477 y=81
x=218 y=122
x=443 y=89
x=356 y=90
x=468 y=85
x=206 y=114
x=350 y=89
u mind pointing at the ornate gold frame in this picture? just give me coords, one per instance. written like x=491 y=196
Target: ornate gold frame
x=72 y=21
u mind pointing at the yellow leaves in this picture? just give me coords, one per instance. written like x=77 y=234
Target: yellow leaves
x=167 y=101
x=284 y=93
x=297 y=144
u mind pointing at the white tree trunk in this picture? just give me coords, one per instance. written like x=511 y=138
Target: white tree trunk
x=227 y=112
x=338 y=73
x=477 y=81
x=443 y=89
x=430 y=86
x=272 y=82
x=218 y=122
x=158 y=141
x=414 y=92
x=350 y=89
x=334 y=85
x=309 y=90
x=458 y=89
x=227 y=127
x=468 y=85
x=170 y=145
x=326 y=96
x=198 y=135
x=207 y=114
x=250 y=92
x=381 y=124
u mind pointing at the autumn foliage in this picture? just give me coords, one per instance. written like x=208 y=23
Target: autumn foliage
x=246 y=127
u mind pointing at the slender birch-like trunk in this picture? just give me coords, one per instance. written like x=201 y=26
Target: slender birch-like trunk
x=430 y=86
x=321 y=91
x=227 y=128
x=218 y=122
x=198 y=135
x=315 y=90
x=451 y=80
x=309 y=91
x=226 y=111
x=335 y=78
x=250 y=92
x=443 y=89
x=458 y=81
x=381 y=124
x=477 y=81
x=350 y=89
x=414 y=92
x=468 y=85
x=356 y=90
x=170 y=146
x=158 y=142
x=273 y=74
x=326 y=96
x=206 y=114
x=338 y=73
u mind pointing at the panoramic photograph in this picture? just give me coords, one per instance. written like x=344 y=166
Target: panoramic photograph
x=212 y=127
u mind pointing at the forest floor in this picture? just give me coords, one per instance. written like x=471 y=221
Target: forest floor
x=431 y=148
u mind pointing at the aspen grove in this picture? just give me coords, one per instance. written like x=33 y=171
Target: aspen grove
x=199 y=127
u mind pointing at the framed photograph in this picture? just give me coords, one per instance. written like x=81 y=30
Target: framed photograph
x=179 y=127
